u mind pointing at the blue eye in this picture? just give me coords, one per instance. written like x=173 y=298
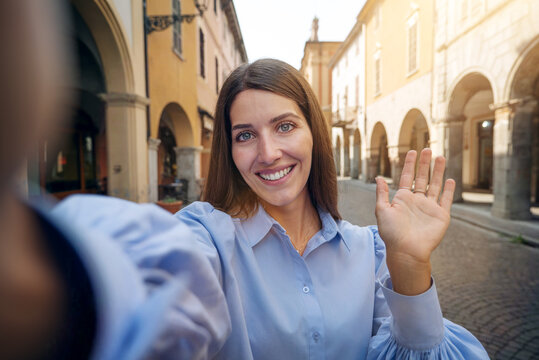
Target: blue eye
x=286 y=127
x=244 y=136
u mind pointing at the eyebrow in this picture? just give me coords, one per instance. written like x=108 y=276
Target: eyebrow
x=273 y=120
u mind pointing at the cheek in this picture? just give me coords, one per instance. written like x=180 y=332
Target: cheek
x=241 y=158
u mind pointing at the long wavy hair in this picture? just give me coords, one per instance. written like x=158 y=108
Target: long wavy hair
x=225 y=188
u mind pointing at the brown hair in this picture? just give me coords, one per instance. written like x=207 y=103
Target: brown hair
x=225 y=188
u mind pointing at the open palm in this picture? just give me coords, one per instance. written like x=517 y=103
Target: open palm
x=414 y=223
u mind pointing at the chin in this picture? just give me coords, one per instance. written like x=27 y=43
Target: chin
x=280 y=200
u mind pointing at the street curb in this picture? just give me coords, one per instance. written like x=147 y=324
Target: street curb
x=527 y=230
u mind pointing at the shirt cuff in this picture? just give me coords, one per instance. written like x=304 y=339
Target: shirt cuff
x=417 y=321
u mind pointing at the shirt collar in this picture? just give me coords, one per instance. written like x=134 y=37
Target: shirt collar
x=259 y=225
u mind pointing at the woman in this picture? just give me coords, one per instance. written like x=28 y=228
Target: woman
x=299 y=282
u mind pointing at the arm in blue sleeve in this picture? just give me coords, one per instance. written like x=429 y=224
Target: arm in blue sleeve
x=412 y=327
x=165 y=250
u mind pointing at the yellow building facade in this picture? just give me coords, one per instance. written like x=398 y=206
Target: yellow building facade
x=398 y=82
x=187 y=63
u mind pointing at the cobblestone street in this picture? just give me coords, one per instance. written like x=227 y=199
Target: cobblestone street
x=485 y=282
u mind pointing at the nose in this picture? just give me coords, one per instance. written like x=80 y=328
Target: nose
x=268 y=150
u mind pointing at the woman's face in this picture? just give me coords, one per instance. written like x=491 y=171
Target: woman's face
x=271 y=146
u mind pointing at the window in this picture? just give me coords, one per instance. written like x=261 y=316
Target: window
x=377 y=74
x=413 y=39
x=201 y=43
x=217 y=75
x=177 y=28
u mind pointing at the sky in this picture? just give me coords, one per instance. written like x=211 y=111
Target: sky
x=280 y=28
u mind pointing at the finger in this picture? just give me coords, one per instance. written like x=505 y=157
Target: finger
x=382 y=193
x=422 y=177
x=407 y=175
x=447 y=195
x=437 y=177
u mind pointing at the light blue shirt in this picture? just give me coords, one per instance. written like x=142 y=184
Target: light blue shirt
x=129 y=252
x=241 y=291
x=334 y=302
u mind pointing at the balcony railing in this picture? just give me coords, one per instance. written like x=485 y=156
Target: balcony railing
x=345 y=115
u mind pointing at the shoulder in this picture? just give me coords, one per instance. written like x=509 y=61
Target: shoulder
x=361 y=236
x=202 y=210
x=202 y=217
x=115 y=216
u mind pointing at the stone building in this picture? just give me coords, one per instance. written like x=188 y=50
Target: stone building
x=485 y=91
x=348 y=104
x=188 y=62
x=314 y=67
x=398 y=82
x=104 y=148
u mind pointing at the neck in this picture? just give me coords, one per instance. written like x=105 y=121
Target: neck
x=300 y=219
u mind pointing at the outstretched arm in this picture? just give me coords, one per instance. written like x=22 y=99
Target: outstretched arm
x=413 y=224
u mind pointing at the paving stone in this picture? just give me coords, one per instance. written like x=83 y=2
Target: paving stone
x=485 y=283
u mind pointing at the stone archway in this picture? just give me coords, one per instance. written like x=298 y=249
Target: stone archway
x=78 y=164
x=468 y=134
x=356 y=156
x=125 y=103
x=516 y=134
x=414 y=135
x=379 y=163
x=173 y=158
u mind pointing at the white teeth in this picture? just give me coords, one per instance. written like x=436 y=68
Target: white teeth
x=277 y=175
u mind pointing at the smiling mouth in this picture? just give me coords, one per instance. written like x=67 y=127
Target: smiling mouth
x=276 y=175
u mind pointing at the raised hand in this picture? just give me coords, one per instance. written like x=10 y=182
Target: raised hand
x=414 y=223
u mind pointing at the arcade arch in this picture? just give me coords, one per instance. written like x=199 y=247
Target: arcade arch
x=469 y=134
x=175 y=135
x=516 y=144
x=379 y=156
x=414 y=135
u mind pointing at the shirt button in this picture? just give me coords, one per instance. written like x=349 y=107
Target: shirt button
x=316 y=336
x=306 y=289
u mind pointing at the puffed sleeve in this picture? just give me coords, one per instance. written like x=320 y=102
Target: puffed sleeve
x=412 y=327
x=165 y=250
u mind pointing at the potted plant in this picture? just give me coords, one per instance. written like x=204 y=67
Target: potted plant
x=170 y=204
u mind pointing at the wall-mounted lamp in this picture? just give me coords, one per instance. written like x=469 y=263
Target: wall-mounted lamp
x=161 y=22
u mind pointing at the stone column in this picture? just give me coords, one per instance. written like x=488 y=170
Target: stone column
x=512 y=159
x=355 y=161
x=188 y=161
x=153 y=176
x=127 y=148
x=397 y=164
x=453 y=128
x=364 y=164
x=346 y=155
x=372 y=165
